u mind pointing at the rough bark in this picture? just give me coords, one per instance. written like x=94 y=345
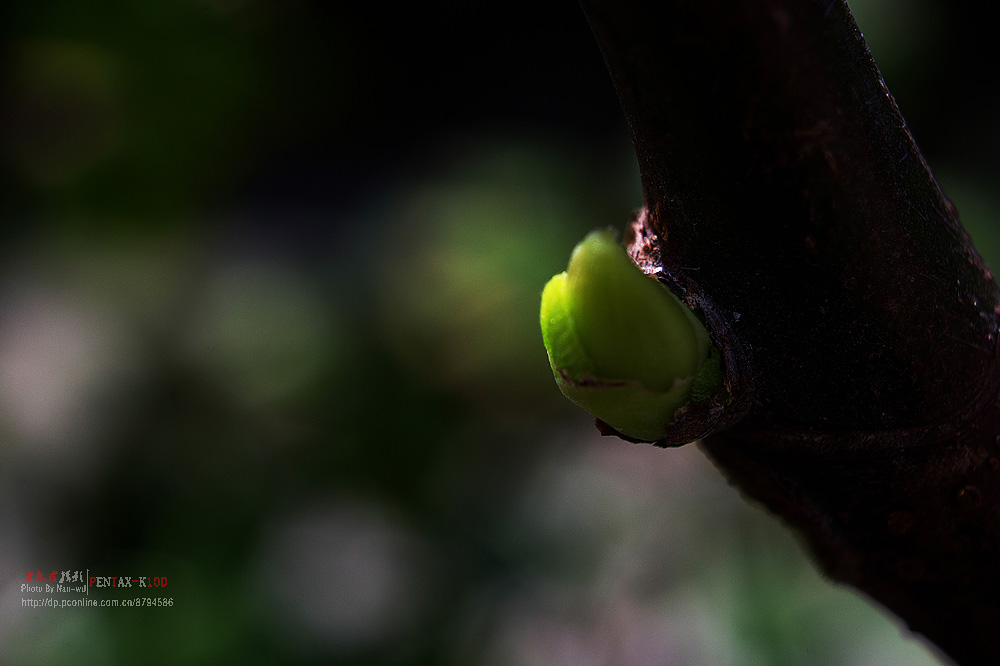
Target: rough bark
x=787 y=204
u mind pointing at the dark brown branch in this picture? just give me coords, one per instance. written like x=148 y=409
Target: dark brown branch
x=788 y=204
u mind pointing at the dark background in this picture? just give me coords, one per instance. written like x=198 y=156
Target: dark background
x=269 y=278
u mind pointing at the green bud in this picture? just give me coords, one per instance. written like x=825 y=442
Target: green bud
x=620 y=344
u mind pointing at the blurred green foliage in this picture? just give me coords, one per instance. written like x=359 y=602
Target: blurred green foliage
x=268 y=328
x=127 y=110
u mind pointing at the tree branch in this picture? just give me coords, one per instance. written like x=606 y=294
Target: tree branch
x=788 y=205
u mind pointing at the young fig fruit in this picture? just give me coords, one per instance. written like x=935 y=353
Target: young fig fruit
x=620 y=344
